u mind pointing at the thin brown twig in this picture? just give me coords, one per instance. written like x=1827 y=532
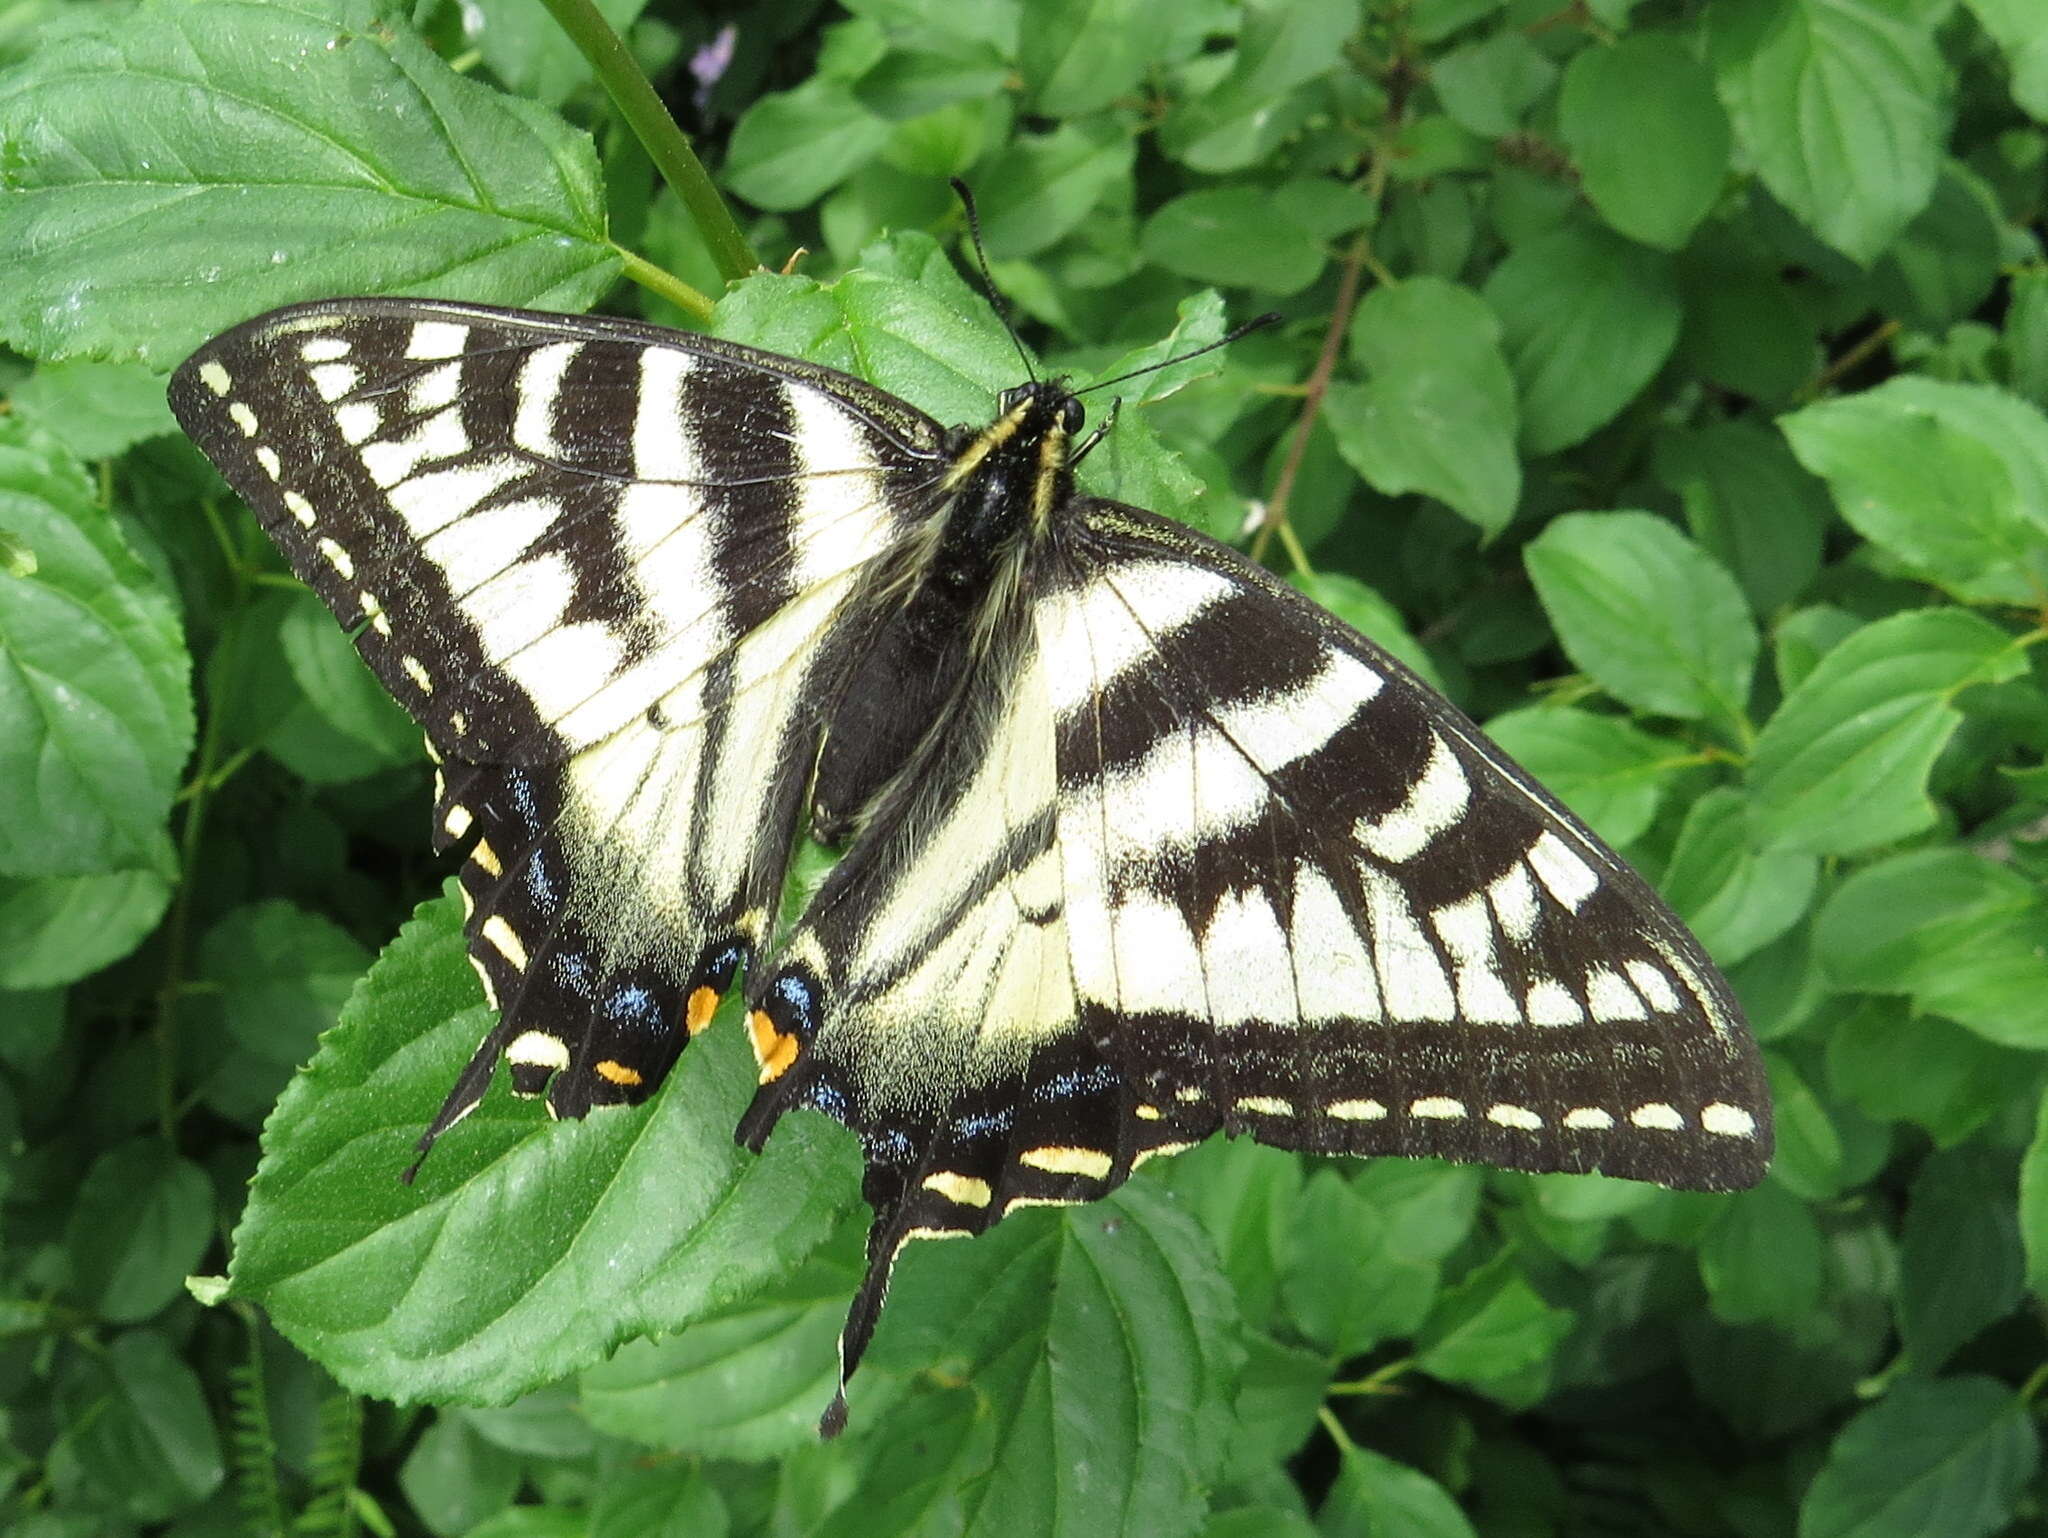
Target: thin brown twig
x=1312 y=403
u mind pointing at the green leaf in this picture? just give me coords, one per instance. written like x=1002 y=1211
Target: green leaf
x=2015 y=25
x=666 y=1501
x=1946 y=262
x=1437 y=411
x=1747 y=327
x=1896 y=1065
x=1247 y=1198
x=454 y=1478
x=1948 y=1456
x=1840 y=105
x=138 y=1436
x=1491 y=1327
x=1348 y=1289
x=1843 y=763
x=1235 y=236
x=142 y=1219
x=1610 y=773
x=746 y=1381
x=378 y=1281
x=1043 y=187
x=1488 y=85
x=527 y=49
x=57 y=929
x=1750 y=505
x=1375 y=1497
x=1277 y=1399
x=96 y=410
x=281 y=975
x=1762 y=1260
x=1371 y=616
x=1961 y=1268
x=262 y=153
x=794 y=147
x=1961 y=936
x=1588 y=320
x=2033 y=1205
x=1734 y=898
x=1079 y=56
x=1100 y=1346
x=1950 y=478
x=340 y=686
x=1648 y=136
x=95 y=703
x=1282 y=46
x=1652 y=618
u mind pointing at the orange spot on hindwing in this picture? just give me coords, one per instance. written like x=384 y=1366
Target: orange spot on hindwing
x=615 y=1072
x=702 y=1006
x=773 y=1050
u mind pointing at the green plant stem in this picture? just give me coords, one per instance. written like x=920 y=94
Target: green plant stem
x=666 y=284
x=664 y=141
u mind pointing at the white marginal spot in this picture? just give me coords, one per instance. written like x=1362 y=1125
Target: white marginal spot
x=1567 y=877
x=1438 y=1108
x=1355 y=1110
x=1551 y=1003
x=1466 y=929
x=301 y=509
x=1412 y=980
x=1610 y=998
x=961 y=1190
x=1520 y=1117
x=1015 y=1202
x=540 y=381
x=1332 y=967
x=1728 y=1120
x=1188 y=1094
x=437 y=339
x=661 y=447
x=1436 y=801
x=416 y=671
x=936 y=1233
x=266 y=456
x=244 y=418
x=334 y=380
x=1060 y=1160
x=504 y=941
x=358 y=420
x=1657 y=1117
x=339 y=559
x=1653 y=985
x=537 y=1049
x=1587 y=1118
x=324 y=349
x=214 y=377
x=1148 y=1113
x=456 y=821
x=1158 y=1151
x=1514 y=903
x=1266 y=1105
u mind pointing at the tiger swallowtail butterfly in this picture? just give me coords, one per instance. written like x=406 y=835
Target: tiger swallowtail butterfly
x=1139 y=843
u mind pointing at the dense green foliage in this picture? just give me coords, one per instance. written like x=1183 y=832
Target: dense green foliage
x=1665 y=378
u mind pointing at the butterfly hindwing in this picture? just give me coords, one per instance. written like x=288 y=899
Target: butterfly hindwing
x=603 y=565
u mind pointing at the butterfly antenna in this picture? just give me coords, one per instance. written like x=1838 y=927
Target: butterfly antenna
x=1257 y=323
x=988 y=282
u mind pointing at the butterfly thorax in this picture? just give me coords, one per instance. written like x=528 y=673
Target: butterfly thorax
x=934 y=619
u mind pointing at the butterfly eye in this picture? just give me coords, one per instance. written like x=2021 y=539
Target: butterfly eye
x=1072 y=414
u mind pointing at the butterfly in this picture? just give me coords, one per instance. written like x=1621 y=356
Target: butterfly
x=1139 y=843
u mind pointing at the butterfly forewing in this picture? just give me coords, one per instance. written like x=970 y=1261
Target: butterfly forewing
x=601 y=564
